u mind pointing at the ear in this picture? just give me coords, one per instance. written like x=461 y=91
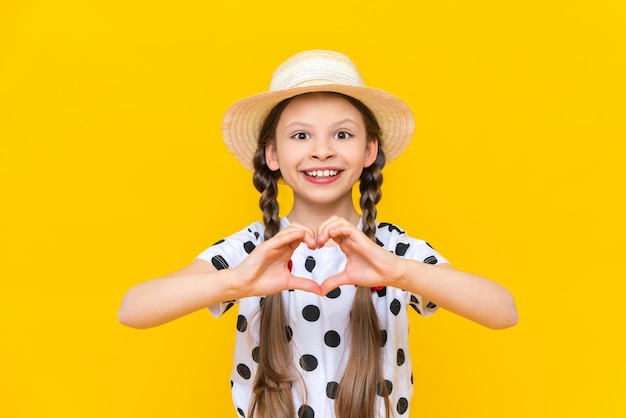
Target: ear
x=271 y=156
x=371 y=152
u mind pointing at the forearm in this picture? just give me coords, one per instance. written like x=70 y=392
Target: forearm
x=471 y=296
x=161 y=300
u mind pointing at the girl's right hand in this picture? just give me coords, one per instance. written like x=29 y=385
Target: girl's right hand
x=266 y=270
x=263 y=272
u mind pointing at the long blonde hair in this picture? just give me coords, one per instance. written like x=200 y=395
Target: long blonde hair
x=363 y=381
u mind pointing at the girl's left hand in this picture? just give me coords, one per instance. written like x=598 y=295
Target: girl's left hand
x=367 y=264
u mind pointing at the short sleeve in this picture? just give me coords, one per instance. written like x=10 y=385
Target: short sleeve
x=228 y=253
x=401 y=244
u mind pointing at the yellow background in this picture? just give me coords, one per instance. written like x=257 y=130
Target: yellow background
x=112 y=171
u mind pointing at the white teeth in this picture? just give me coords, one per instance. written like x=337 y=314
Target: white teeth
x=322 y=173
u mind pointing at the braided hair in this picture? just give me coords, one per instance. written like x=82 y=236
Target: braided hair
x=363 y=381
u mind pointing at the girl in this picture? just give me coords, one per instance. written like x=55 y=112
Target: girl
x=322 y=293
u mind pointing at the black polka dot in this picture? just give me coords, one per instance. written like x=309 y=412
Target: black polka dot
x=400 y=358
x=332 y=338
x=240 y=412
x=289 y=333
x=218 y=242
x=431 y=305
x=331 y=389
x=403 y=405
x=390 y=227
x=309 y=264
x=219 y=262
x=305 y=411
x=311 y=313
x=230 y=305
x=334 y=294
x=308 y=362
x=383 y=337
x=414 y=303
x=401 y=248
x=430 y=260
x=395 y=307
x=248 y=246
x=255 y=354
x=388 y=387
x=242 y=323
x=382 y=292
x=244 y=371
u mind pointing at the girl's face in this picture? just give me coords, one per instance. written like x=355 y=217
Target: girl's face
x=321 y=148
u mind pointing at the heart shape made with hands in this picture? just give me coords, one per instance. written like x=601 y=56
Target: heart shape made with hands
x=366 y=262
x=373 y=288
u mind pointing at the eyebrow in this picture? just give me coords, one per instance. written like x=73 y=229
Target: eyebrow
x=346 y=120
x=297 y=124
x=308 y=125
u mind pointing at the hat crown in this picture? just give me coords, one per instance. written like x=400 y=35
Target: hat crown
x=316 y=68
x=311 y=72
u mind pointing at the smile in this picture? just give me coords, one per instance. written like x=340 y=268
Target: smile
x=321 y=173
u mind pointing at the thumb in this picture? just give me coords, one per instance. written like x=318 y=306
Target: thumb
x=333 y=282
x=307 y=285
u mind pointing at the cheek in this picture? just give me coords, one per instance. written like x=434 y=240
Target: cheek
x=361 y=156
x=289 y=152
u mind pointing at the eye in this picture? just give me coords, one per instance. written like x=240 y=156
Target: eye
x=343 y=135
x=300 y=136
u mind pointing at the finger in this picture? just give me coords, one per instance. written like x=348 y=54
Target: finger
x=328 y=221
x=323 y=231
x=348 y=236
x=307 y=285
x=309 y=234
x=287 y=236
x=333 y=282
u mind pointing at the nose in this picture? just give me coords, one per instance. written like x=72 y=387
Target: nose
x=322 y=149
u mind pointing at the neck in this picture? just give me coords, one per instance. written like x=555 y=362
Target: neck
x=313 y=216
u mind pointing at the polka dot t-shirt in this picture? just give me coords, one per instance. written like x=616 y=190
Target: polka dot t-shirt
x=318 y=326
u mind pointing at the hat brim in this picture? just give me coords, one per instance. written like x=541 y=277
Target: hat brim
x=242 y=121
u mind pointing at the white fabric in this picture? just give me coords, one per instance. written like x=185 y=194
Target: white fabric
x=316 y=321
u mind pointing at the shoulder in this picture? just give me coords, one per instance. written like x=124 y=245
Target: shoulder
x=253 y=232
x=389 y=235
x=395 y=239
x=230 y=250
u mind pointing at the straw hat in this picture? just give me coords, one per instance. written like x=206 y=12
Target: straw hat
x=316 y=71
